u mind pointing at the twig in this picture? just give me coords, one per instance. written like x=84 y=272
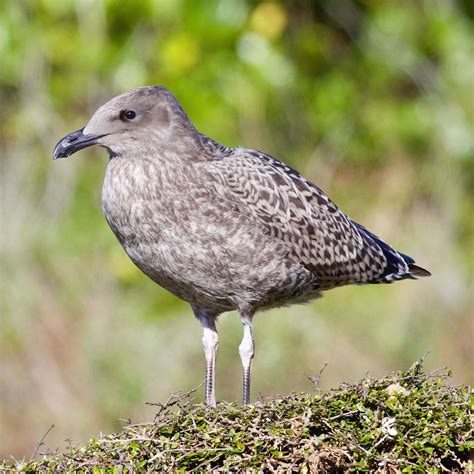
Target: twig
x=40 y=443
x=341 y=415
x=175 y=399
x=316 y=379
x=419 y=363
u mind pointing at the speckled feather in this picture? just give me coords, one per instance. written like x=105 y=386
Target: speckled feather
x=227 y=228
x=336 y=250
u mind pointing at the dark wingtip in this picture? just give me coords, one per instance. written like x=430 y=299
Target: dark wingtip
x=408 y=260
x=417 y=271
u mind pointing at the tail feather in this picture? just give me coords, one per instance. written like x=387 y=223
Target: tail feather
x=399 y=266
x=417 y=271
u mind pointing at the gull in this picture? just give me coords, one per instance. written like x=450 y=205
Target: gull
x=223 y=228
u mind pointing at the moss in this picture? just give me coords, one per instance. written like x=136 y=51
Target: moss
x=405 y=422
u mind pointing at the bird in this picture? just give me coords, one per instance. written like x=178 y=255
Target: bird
x=223 y=228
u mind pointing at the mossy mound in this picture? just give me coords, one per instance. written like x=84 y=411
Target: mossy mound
x=405 y=422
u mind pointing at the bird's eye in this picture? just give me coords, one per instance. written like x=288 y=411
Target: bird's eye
x=127 y=115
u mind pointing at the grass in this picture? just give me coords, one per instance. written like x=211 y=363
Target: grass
x=405 y=422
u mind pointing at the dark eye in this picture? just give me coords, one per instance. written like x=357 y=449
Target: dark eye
x=127 y=115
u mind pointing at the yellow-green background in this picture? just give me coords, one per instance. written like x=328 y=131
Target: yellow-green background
x=372 y=100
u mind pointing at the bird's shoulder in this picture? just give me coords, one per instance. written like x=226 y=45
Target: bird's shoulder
x=251 y=168
x=272 y=188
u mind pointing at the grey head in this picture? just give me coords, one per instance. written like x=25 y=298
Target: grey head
x=147 y=117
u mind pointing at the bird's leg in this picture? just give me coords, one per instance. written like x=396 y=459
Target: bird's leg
x=210 y=343
x=246 y=351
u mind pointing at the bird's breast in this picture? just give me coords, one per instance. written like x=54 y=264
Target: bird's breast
x=190 y=241
x=138 y=200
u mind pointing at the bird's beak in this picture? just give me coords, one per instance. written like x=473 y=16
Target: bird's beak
x=73 y=142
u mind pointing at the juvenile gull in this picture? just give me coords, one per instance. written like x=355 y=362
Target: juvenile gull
x=223 y=228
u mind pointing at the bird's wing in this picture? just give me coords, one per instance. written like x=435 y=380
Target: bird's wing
x=291 y=208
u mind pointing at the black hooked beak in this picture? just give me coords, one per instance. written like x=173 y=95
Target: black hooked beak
x=73 y=142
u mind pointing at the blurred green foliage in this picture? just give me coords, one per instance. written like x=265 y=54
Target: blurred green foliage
x=372 y=100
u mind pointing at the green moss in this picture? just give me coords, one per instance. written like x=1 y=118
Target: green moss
x=405 y=422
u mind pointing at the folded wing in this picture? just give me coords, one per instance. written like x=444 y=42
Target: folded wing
x=335 y=249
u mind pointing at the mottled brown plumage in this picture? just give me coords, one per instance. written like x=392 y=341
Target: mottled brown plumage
x=223 y=228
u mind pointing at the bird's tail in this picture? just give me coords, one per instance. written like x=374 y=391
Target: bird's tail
x=417 y=271
x=399 y=266
x=414 y=271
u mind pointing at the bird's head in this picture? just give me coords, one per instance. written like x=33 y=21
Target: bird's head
x=148 y=116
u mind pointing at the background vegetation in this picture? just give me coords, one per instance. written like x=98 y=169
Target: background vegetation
x=372 y=100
